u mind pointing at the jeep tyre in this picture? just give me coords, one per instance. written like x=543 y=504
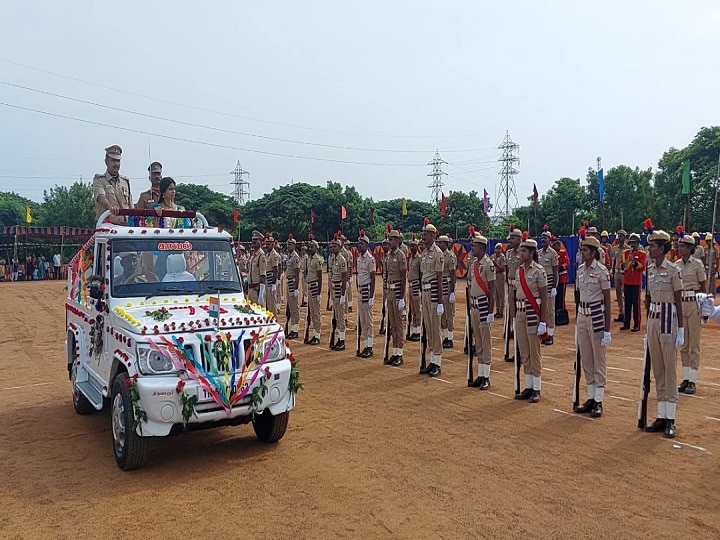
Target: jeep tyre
x=80 y=402
x=129 y=448
x=269 y=428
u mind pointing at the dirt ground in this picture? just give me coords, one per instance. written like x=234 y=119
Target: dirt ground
x=371 y=451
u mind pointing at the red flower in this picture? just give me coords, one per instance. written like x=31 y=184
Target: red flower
x=180 y=386
x=207 y=337
x=181 y=340
x=267 y=373
x=128 y=383
x=135 y=377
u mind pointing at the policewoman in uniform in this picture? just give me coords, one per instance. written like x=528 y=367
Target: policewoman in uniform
x=593 y=324
x=616 y=257
x=665 y=330
x=548 y=258
x=414 y=289
x=366 y=293
x=395 y=296
x=431 y=272
x=313 y=278
x=692 y=272
x=513 y=261
x=530 y=296
x=447 y=320
x=293 y=287
x=482 y=288
x=500 y=263
x=338 y=281
x=257 y=268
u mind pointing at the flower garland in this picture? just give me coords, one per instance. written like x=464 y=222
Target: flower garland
x=294 y=381
x=139 y=413
x=96 y=336
x=244 y=308
x=188 y=403
x=159 y=315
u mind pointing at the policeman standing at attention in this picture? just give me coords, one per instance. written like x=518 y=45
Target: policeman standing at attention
x=482 y=288
x=313 y=278
x=366 y=293
x=548 y=258
x=500 y=263
x=431 y=273
x=338 y=271
x=616 y=257
x=111 y=191
x=414 y=289
x=395 y=296
x=447 y=320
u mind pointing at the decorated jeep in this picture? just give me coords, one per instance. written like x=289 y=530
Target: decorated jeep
x=159 y=330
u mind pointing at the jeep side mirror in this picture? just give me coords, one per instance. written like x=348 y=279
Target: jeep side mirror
x=96 y=287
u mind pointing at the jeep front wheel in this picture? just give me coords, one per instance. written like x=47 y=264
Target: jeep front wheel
x=269 y=428
x=129 y=448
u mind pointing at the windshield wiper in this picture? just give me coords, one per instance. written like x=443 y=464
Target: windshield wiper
x=172 y=288
x=220 y=288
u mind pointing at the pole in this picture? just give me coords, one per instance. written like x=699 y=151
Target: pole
x=717 y=179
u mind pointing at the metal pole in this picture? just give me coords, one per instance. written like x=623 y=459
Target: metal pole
x=717 y=179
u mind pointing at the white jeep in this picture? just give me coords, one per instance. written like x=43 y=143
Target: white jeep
x=158 y=328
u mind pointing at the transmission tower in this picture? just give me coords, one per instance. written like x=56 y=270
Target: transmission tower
x=241 y=191
x=437 y=174
x=507 y=174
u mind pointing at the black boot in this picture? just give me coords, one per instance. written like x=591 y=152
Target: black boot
x=657 y=426
x=388 y=361
x=585 y=407
x=690 y=390
x=398 y=361
x=535 y=397
x=435 y=370
x=670 y=428
x=340 y=345
x=485 y=384
x=525 y=394
x=683 y=386
x=477 y=383
x=597 y=410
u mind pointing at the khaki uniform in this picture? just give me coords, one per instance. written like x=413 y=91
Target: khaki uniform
x=303 y=272
x=548 y=258
x=481 y=277
x=271 y=281
x=395 y=291
x=117 y=191
x=500 y=263
x=345 y=252
x=257 y=269
x=699 y=254
x=526 y=323
x=293 y=300
x=413 y=277
x=336 y=267
x=591 y=283
x=663 y=282
x=512 y=257
x=447 y=321
x=147 y=199
x=711 y=257
x=365 y=271
x=692 y=274
x=313 y=272
x=432 y=262
x=616 y=256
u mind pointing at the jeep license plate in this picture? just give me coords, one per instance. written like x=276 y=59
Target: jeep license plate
x=204 y=396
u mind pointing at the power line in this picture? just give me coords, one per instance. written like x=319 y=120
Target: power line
x=507 y=177
x=231 y=115
x=437 y=173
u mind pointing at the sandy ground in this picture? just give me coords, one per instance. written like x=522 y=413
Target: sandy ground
x=371 y=451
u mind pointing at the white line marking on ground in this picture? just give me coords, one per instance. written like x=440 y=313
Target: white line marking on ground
x=496 y=371
x=634 y=358
x=693 y=396
x=620 y=397
x=691 y=446
x=441 y=380
x=27 y=386
x=713 y=368
x=710 y=383
x=712 y=418
x=574 y=415
x=614 y=381
x=547 y=368
x=570 y=349
x=618 y=369
x=499 y=395
x=552 y=383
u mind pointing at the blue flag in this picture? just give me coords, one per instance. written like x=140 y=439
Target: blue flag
x=601 y=185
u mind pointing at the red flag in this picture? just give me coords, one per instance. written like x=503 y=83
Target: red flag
x=443 y=205
x=343 y=212
x=236 y=215
x=535 y=195
x=312 y=217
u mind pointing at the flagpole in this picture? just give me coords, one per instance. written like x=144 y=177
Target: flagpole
x=717 y=179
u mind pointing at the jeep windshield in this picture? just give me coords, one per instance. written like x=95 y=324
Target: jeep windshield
x=147 y=267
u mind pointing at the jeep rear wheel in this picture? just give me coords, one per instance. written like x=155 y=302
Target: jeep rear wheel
x=129 y=448
x=269 y=428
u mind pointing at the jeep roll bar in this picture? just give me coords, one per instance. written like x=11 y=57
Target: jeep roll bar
x=191 y=214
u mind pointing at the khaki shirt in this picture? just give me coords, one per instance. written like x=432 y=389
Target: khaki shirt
x=500 y=263
x=258 y=266
x=314 y=268
x=536 y=280
x=692 y=273
x=117 y=191
x=548 y=258
x=414 y=268
x=337 y=267
x=431 y=262
x=273 y=260
x=293 y=263
x=486 y=271
x=592 y=281
x=616 y=256
x=699 y=254
x=396 y=263
x=365 y=268
x=348 y=256
x=663 y=282
x=514 y=261
x=147 y=200
x=711 y=255
x=449 y=263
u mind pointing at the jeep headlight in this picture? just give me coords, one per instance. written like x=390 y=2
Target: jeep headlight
x=152 y=362
x=277 y=349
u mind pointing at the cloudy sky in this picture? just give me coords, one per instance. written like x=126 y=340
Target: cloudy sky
x=357 y=92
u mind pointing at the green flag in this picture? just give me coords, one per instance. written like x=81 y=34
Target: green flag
x=686 y=177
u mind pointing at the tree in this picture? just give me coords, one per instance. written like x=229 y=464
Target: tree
x=216 y=207
x=563 y=207
x=12 y=209
x=628 y=197
x=72 y=207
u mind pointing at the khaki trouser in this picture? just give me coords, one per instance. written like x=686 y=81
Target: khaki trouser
x=447 y=319
x=711 y=282
x=339 y=309
x=414 y=302
x=314 y=307
x=271 y=300
x=529 y=345
x=293 y=303
x=482 y=338
x=431 y=320
x=618 y=276
x=592 y=353
x=499 y=293
x=253 y=294
x=366 y=322
x=396 y=329
x=550 y=311
x=690 y=352
x=349 y=289
x=664 y=361
x=511 y=301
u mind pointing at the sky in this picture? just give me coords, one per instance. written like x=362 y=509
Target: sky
x=357 y=93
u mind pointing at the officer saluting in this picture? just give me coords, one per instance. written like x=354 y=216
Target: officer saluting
x=482 y=288
x=111 y=191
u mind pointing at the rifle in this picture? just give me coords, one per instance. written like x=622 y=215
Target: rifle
x=328 y=305
x=644 y=387
x=386 y=347
x=307 y=323
x=334 y=327
x=423 y=344
x=287 y=316
x=469 y=337
x=517 y=367
x=577 y=367
x=409 y=314
x=358 y=329
x=383 y=329
x=508 y=326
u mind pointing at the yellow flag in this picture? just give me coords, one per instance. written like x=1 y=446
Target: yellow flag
x=403 y=210
x=28 y=215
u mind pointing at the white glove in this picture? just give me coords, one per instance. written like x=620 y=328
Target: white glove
x=680 y=339
x=440 y=309
x=605 y=341
x=553 y=292
x=342 y=300
x=371 y=301
x=296 y=293
x=317 y=298
x=707 y=305
x=273 y=288
x=451 y=298
x=350 y=280
x=401 y=304
x=490 y=318
x=261 y=295
x=542 y=328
